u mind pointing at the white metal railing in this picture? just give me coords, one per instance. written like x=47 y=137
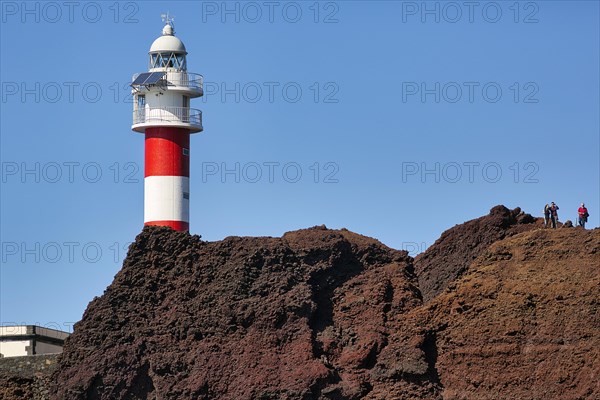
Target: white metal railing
x=179 y=78
x=185 y=79
x=168 y=114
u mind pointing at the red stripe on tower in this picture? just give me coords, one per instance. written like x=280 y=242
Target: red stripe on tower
x=177 y=225
x=167 y=152
x=161 y=111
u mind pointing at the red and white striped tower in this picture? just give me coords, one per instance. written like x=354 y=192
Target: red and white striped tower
x=161 y=110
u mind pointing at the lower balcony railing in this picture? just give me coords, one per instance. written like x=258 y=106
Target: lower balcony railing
x=168 y=114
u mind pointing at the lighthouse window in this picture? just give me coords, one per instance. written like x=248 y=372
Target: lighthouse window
x=158 y=60
x=168 y=60
x=186 y=152
x=141 y=101
x=154 y=61
x=186 y=195
x=181 y=62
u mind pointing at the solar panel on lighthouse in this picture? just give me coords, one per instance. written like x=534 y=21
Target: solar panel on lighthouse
x=154 y=78
x=141 y=78
x=148 y=78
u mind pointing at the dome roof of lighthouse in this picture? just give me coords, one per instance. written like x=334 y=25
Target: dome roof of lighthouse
x=168 y=42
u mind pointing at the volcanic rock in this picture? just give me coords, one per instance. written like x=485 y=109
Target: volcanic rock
x=523 y=322
x=330 y=314
x=304 y=316
x=448 y=258
x=15 y=387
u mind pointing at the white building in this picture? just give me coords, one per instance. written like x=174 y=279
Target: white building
x=28 y=340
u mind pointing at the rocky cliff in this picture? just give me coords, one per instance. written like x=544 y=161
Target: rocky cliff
x=450 y=256
x=511 y=312
x=523 y=322
x=303 y=316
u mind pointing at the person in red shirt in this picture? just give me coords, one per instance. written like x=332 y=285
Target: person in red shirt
x=583 y=215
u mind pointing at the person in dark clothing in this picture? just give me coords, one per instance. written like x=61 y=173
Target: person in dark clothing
x=553 y=214
x=546 y=215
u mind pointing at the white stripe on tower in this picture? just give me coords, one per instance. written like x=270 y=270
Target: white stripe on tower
x=165 y=199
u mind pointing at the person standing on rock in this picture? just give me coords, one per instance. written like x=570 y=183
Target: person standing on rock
x=553 y=214
x=546 y=215
x=583 y=215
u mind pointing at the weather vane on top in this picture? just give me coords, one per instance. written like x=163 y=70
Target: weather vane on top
x=167 y=18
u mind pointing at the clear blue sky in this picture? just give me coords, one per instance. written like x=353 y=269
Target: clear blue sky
x=499 y=103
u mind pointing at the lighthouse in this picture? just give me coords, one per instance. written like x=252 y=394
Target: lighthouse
x=161 y=111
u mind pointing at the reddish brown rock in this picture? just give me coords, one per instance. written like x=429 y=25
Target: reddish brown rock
x=449 y=257
x=325 y=314
x=523 y=322
x=15 y=387
x=304 y=316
